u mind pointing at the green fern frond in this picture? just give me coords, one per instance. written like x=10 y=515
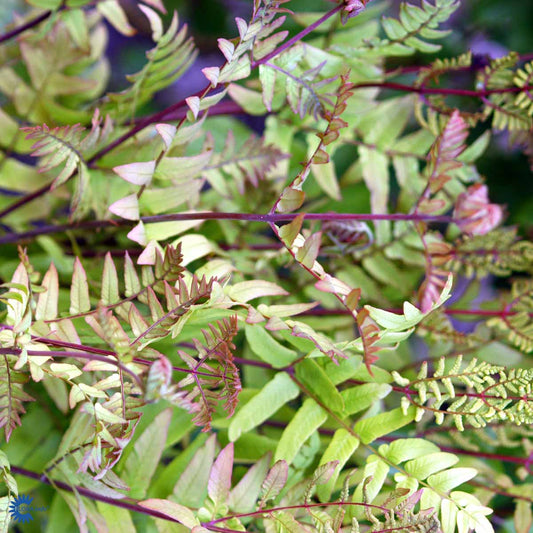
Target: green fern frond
x=498 y=394
x=507 y=109
x=301 y=88
x=522 y=78
x=251 y=162
x=498 y=252
x=414 y=28
x=517 y=324
x=173 y=54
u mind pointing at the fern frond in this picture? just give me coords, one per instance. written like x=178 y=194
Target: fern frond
x=12 y=395
x=498 y=394
x=433 y=108
x=178 y=302
x=498 y=252
x=213 y=376
x=445 y=151
x=251 y=162
x=301 y=88
x=420 y=463
x=414 y=28
x=522 y=78
x=68 y=145
x=173 y=54
x=438 y=329
x=518 y=327
x=508 y=110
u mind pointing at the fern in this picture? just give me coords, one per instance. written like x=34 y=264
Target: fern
x=416 y=25
x=506 y=113
x=499 y=252
x=12 y=395
x=522 y=78
x=498 y=395
x=68 y=145
x=301 y=88
x=251 y=162
x=344 y=405
x=518 y=325
x=173 y=54
x=211 y=385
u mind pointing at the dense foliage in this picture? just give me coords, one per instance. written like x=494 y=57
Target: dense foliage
x=322 y=325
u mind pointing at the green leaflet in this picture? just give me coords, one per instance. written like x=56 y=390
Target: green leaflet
x=173 y=510
x=164 y=480
x=117 y=519
x=449 y=479
x=109 y=294
x=244 y=495
x=191 y=487
x=267 y=348
x=340 y=448
x=304 y=423
x=317 y=381
x=422 y=467
x=361 y=397
x=47 y=303
x=141 y=463
x=369 y=429
x=79 y=290
x=219 y=483
x=265 y=403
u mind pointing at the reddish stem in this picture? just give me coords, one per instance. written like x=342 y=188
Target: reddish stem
x=26 y=26
x=468 y=312
x=297 y=37
x=128 y=503
x=249 y=217
x=437 y=90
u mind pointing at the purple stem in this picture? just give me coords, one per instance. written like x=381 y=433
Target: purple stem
x=24 y=27
x=76 y=354
x=466 y=312
x=250 y=217
x=436 y=90
x=131 y=505
x=297 y=37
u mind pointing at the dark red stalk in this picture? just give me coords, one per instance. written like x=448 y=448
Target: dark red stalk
x=249 y=217
x=133 y=505
x=297 y=37
x=438 y=90
x=466 y=312
x=24 y=27
x=75 y=354
x=129 y=503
